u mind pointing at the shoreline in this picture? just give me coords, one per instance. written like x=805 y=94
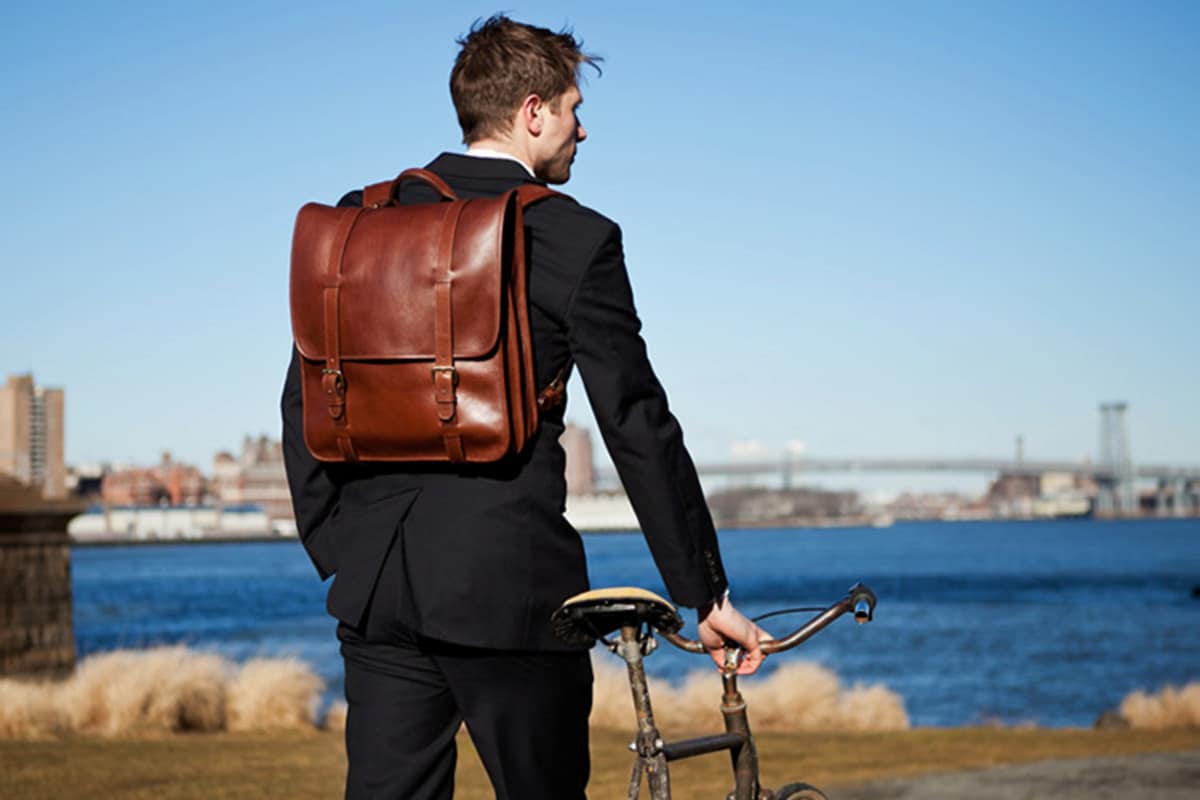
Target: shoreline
x=255 y=539
x=797 y=525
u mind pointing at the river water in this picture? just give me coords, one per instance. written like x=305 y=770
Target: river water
x=1044 y=622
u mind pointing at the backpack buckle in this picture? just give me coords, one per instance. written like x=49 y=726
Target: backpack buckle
x=334 y=381
x=445 y=381
x=334 y=384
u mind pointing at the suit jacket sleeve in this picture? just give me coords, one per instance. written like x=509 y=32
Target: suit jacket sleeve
x=642 y=436
x=314 y=492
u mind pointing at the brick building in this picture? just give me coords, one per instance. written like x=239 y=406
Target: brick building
x=169 y=483
x=255 y=477
x=581 y=473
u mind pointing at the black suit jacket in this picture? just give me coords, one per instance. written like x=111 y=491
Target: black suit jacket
x=482 y=556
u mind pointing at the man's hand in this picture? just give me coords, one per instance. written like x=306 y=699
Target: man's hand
x=720 y=621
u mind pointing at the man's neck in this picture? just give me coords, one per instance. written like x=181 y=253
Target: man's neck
x=499 y=148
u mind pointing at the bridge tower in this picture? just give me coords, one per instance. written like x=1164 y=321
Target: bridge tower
x=1116 y=487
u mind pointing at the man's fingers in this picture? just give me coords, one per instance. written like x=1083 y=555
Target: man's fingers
x=725 y=623
x=752 y=661
x=755 y=657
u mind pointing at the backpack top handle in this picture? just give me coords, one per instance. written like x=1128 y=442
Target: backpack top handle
x=383 y=193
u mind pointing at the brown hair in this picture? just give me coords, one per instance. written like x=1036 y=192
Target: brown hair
x=501 y=63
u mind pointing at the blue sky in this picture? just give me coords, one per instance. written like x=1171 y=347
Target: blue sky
x=876 y=228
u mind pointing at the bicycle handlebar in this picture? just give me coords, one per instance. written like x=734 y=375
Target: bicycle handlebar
x=860 y=601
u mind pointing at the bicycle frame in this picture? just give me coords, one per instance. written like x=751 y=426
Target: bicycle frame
x=653 y=754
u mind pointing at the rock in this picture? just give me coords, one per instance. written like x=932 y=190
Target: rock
x=1110 y=720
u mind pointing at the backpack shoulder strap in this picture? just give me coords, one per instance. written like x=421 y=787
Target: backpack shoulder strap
x=530 y=193
x=377 y=194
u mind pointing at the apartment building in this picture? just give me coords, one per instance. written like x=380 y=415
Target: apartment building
x=31 y=435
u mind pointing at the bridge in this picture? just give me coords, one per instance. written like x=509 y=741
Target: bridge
x=793 y=464
x=1177 y=484
x=1115 y=474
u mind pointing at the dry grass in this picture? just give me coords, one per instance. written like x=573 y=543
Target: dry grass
x=172 y=767
x=166 y=689
x=29 y=711
x=143 y=698
x=162 y=690
x=796 y=697
x=273 y=694
x=845 y=758
x=311 y=766
x=335 y=717
x=1170 y=709
x=793 y=698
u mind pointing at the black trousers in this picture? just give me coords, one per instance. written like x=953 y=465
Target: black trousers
x=526 y=713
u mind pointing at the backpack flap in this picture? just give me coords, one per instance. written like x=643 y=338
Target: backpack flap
x=384 y=277
x=412 y=325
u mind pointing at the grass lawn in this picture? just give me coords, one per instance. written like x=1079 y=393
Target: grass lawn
x=214 y=766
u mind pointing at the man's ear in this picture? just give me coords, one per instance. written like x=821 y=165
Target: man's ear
x=530 y=114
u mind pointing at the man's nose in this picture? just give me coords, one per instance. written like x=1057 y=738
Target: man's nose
x=580 y=133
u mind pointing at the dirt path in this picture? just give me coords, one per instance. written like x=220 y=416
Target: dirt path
x=1157 y=776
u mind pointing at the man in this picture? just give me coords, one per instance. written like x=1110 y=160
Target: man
x=446 y=577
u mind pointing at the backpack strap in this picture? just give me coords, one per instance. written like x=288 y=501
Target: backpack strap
x=445 y=375
x=530 y=193
x=378 y=194
x=333 y=381
x=553 y=395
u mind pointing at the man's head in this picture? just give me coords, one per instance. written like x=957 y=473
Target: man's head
x=517 y=86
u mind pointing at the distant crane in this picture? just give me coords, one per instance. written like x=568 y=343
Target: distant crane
x=1116 y=490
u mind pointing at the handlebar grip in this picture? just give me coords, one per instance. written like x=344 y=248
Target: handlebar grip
x=862 y=600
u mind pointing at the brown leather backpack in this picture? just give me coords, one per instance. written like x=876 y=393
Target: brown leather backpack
x=412 y=323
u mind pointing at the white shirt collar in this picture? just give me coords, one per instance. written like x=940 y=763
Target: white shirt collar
x=487 y=152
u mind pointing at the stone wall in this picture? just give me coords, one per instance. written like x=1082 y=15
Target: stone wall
x=37 y=636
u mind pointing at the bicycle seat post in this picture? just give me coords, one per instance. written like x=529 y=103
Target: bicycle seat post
x=649 y=744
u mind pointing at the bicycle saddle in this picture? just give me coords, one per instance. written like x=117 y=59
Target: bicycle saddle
x=592 y=615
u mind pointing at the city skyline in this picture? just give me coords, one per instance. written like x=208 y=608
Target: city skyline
x=739 y=494
x=884 y=231
x=589 y=470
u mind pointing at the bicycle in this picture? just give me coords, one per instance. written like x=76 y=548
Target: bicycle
x=637 y=614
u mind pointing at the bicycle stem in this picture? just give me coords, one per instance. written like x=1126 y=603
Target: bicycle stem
x=745 y=755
